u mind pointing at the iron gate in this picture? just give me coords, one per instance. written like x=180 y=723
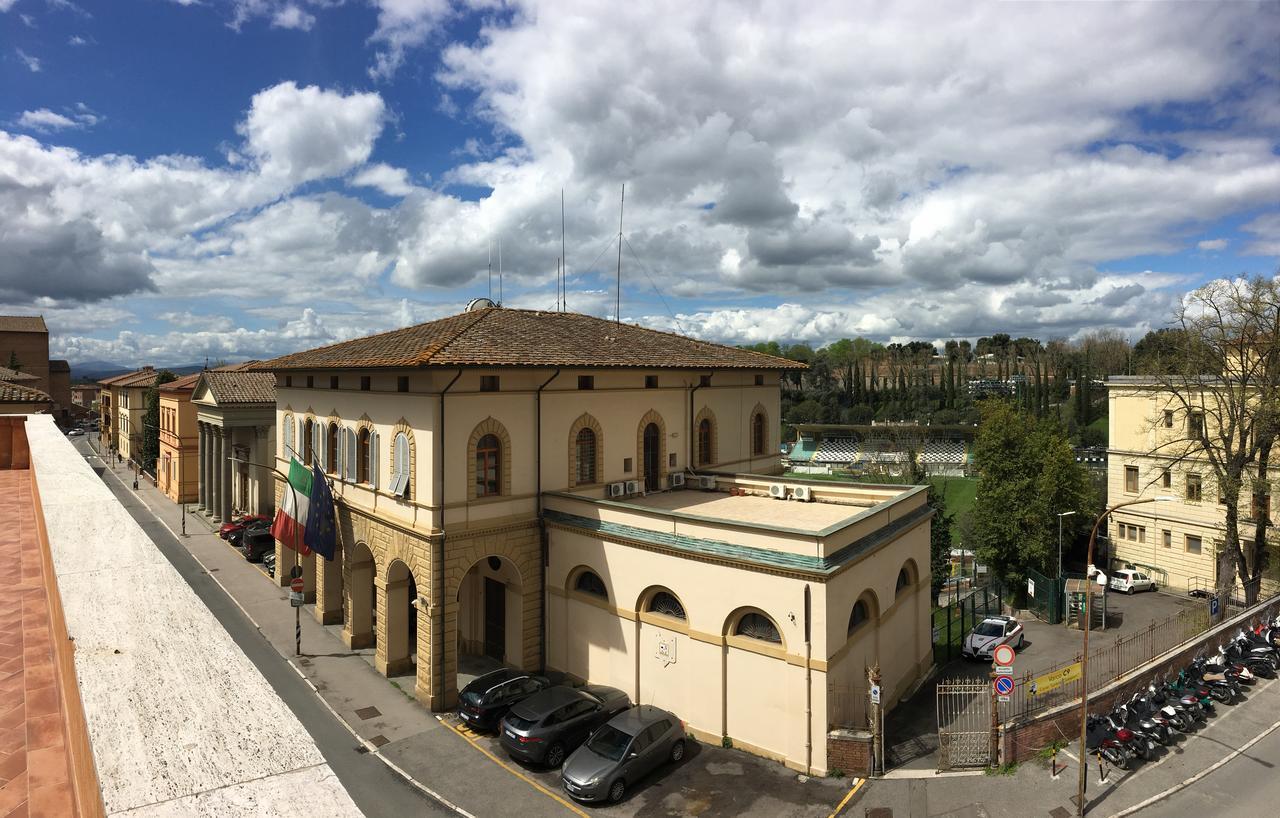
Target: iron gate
x=964 y=724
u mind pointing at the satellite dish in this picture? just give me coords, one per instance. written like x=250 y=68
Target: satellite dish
x=479 y=304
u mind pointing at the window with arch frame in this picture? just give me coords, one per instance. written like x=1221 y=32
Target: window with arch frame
x=665 y=603
x=488 y=466
x=904 y=581
x=758 y=626
x=859 y=616
x=586 y=449
x=362 y=456
x=758 y=436
x=589 y=582
x=704 y=441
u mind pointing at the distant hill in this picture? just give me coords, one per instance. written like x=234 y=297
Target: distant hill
x=100 y=370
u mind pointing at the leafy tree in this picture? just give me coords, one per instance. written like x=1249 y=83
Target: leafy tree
x=1159 y=351
x=1027 y=474
x=149 y=452
x=14 y=364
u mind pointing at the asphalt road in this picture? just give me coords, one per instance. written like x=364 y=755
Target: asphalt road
x=376 y=790
x=1245 y=786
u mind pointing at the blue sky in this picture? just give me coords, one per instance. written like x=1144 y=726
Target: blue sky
x=243 y=178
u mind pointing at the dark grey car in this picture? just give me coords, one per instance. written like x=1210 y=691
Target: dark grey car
x=549 y=725
x=626 y=749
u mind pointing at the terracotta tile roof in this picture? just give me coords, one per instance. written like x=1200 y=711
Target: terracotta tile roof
x=118 y=380
x=7 y=374
x=240 y=367
x=186 y=382
x=496 y=336
x=139 y=380
x=231 y=387
x=22 y=323
x=15 y=393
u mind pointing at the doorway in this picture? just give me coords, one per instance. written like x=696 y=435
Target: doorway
x=652 y=457
x=495 y=619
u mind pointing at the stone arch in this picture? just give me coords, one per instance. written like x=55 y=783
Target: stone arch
x=402 y=426
x=732 y=621
x=490 y=426
x=871 y=602
x=653 y=417
x=906 y=583
x=571 y=581
x=332 y=442
x=359 y=597
x=397 y=619
x=585 y=421
x=290 y=438
x=713 y=449
x=364 y=431
x=758 y=412
x=646 y=600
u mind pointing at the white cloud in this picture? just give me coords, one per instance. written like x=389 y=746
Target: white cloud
x=1213 y=244
x=32 y=63
x=403 y=25
x=5 y=5
x=1266 y=232
x=45 y=120
x=77 y=40
x=292 y=16
x=389 y=180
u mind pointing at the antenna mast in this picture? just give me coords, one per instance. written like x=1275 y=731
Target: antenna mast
x=564 y=261
x=491 y=268
x=617 y=300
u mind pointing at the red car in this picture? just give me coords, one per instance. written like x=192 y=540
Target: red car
x=230 y=528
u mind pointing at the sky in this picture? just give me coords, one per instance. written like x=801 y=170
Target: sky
x=232 y=179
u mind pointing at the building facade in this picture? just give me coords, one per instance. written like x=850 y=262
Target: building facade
x=24 y=346
x=177 y=472
x=235 y=414
x=85 y=395
x=129 y=409
x=484 y=464
x=1176 y=539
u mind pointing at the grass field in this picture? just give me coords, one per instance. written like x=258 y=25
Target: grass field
x=1100 y=425
x=957 y=492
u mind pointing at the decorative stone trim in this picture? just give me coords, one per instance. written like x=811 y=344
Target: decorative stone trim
x=714 y=452
x=652 y=417
x=751 y=431
x=490 y=426
x=585 y=421
x=402 y=425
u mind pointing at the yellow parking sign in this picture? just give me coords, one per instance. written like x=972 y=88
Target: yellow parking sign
x=1055 y=679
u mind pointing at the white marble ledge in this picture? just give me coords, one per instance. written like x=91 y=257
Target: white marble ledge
x=311 y=793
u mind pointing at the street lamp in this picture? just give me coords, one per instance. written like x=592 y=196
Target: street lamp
x=1062 y=514
x=1088 y=620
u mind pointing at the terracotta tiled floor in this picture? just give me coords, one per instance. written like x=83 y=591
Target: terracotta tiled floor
x=34 y=777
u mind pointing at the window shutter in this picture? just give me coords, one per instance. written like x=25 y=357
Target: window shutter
x=401 y=478
x=373 y=459
x=396 y=464
x=351 y=470
x=287 y=438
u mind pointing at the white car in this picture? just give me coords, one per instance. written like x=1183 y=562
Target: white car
x=1129 y=581
x=75 y=432
x=991 y=633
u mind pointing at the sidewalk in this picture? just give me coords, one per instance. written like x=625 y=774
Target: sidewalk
x=390 y=724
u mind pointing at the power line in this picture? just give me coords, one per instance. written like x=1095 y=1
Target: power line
x=656 y=291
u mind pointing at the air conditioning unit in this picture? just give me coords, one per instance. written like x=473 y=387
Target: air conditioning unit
x=803 y=493
x=676 y=481
x=634 y=487
x=777 y=491
x=706 y=482
x=617 y=489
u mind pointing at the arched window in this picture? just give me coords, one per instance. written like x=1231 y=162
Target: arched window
x=287 y=440
x=859 y=616
x=758 y=626
x=488 y=466
x=401 y=466
x=589 y=582
x=904 y=581
x=362 y=456
x=308 y=448
x=331 y=450
x=757 y=433
x=667 y=605
x=586 y=444
x=704 y=442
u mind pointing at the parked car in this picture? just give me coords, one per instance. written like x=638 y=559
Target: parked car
x=269 y=562
x=77 y=432
x=551 y=723
x=236 y=538
x=484 y=701
x=257 y=544
x=1129 y=581
x=227 y=529
x=622 y=752
x=990 y=633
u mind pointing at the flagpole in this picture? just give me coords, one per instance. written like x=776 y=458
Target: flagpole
x=297 y=555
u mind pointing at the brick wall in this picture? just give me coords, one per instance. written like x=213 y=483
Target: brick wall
x=1020 y=740
x=849 y=751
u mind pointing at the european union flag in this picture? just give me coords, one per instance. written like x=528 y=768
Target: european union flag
x=321 y=534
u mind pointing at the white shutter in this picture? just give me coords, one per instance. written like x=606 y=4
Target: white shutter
x=400 y=480
x=373 y=459
x=317 y=447
x=349 y=466
x=287 y=437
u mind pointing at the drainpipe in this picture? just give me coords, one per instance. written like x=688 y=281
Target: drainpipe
x=438 y=572
x=693 y=433
x=542 y=523
x=808 y=686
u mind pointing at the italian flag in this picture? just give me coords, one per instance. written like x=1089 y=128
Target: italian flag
x=291 y=517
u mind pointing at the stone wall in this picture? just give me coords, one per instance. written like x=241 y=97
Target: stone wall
x=849 y=751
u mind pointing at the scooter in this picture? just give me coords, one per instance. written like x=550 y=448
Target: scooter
x=1254 y=645
x=1196 y=700
x=1234 y=670
x=1099 y=738
x=1239 y=650
x=1143 y=706
x=1220 y=687
x=1155 y=729
x=1186 y=708
x=1141 y=740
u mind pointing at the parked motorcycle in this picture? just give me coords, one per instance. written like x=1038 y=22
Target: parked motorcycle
x=1144 y=706
x=1234 y=670
x=1100 y=739
x=1155 y=729
x=1139 y=742
x=1241 y=651
x=1185 y=706
x=1220 y=687
x=1197 y=702
x=1251 y=644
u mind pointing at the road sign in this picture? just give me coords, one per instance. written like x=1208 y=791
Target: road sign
x=1031 y=587
x=875 y=694
x=1002 y=670
x=295 y=585
x=1004 y=685
x=1003 y=655
x=296 y=598
x=1002 y=699
x=1055 y=679
x=1213 y=606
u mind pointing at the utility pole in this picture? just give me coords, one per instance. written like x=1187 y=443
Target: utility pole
x=617 y=303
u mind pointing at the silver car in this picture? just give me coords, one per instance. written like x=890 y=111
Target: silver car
x=622 y=752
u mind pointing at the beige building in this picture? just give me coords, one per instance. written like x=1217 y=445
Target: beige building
x=235 y=422
x=528 y=486
x=24 y=342
x=1176 y=540
x=127 y=407
x=176 y=468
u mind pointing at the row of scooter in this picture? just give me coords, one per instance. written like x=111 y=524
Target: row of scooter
x=1181 y=704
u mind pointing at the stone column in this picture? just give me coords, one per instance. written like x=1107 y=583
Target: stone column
x=202 y=447
x=224 y=460
x=328 y=610
x=392 y=657
x=211 y=454
x=215 y=474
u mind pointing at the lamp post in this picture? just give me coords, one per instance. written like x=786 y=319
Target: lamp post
x=1084 y=656
x=297 y=556
x=1062 y=514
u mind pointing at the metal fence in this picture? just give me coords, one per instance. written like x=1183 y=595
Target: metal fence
x=964 y=725
x=952 y=623
x=1044 y=596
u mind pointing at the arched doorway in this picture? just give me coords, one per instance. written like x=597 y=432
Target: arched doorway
x=490 y=617
x=358 y=627
x=652 y=457
x=401 y=626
